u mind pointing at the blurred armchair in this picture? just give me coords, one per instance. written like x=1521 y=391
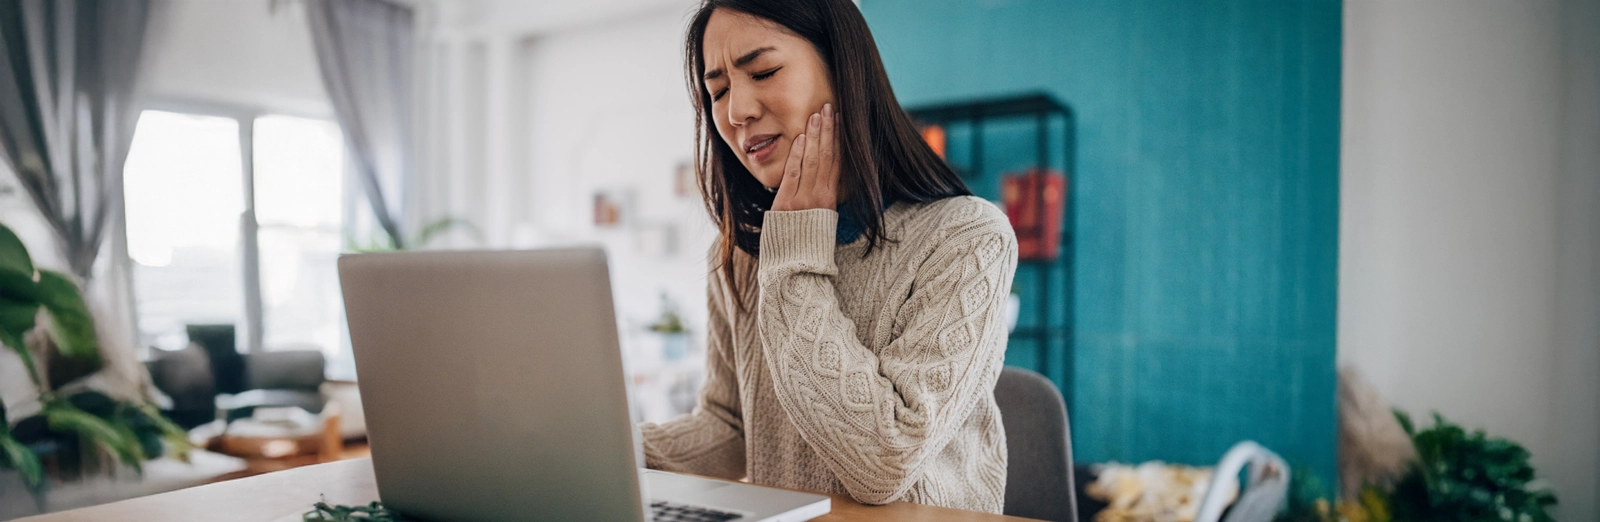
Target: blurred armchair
x=277 y=379
x=210 y=379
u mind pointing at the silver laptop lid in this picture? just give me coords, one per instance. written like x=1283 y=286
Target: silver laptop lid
x=493 y=384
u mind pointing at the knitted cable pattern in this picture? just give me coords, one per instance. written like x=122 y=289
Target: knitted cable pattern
x=868 y=375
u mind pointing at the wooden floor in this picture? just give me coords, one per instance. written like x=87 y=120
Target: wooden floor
x=354 y=449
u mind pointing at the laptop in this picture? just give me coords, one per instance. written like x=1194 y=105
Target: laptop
x=494 y=391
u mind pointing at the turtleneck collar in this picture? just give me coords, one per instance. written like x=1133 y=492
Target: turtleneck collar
x=849 y=230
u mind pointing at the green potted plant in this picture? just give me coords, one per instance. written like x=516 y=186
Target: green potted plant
x=45 y=322
x=430 y=231
x=1458 y=476
x=1462 y=475
x=674 y=336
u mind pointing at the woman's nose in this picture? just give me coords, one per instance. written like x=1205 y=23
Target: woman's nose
x=742 y=108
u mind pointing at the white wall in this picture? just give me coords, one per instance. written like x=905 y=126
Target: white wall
x=238 y=52
x=1467 y=242
x=527 y=125
x=608 y=112
x=531 y=126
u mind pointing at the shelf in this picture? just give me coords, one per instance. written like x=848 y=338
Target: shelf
x=991 y=108
x=1032 y=331
x=1048 y=280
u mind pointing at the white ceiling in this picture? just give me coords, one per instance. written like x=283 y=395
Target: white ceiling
x=533 y=17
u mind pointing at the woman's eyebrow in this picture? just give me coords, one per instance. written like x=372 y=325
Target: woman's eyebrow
x=741 y=62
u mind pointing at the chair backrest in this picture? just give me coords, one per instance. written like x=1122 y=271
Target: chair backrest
x=227 y=364
x=1264 y=492
x=1039 y=465
x=285 y=370
x=185 y=377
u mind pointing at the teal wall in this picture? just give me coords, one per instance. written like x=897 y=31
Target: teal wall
x=1206 y=204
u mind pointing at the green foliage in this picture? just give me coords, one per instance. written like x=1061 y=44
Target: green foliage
x=70 y=321
x=16 y=456
x=13 y=254
x=117 y=440
x=670 y=321
x=1459 y=476
x=441 y=226
x=1467 y=476
x=128 y=431
x=374 y=512
x=25 y=291
x=1307 y=500
x=153 y=429
x=385 y=243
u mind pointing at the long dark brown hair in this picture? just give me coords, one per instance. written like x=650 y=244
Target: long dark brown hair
x=882 y=156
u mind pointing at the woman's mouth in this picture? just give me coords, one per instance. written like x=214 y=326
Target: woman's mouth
x=759 y=148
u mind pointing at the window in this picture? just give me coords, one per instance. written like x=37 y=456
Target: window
x=299 y=207
x=184 y=187
x=190 y=225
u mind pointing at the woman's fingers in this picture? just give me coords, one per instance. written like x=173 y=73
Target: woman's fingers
x=789 y=186
x=827 y=183
x=810 y=167
x=811 y=172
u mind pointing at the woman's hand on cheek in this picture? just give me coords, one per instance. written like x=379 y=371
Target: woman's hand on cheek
x=811 y=172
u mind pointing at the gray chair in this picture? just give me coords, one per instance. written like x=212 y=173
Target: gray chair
x=1038 y=448
x=278 y=378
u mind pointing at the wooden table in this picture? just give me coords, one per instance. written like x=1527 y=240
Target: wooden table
x=284 y=495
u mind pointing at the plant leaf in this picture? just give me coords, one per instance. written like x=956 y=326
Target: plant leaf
x=69 y=316
x=174 y=435
x=16 y=456
x=19 y=287
x=16 y=345
x=444 y=225
x=94 y=402
x=1405 y=422
x=119 y=441
x=13 y=254
x=1462 y=475
x=17 y=317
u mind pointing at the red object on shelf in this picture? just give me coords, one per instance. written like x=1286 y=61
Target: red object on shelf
x=1036 y=202
x=934 y=135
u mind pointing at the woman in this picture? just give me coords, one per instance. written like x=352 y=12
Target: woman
x=855 y=330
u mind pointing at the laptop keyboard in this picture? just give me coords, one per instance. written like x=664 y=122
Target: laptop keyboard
x=673 y=512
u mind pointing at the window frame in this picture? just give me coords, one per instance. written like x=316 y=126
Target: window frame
x=249 y=241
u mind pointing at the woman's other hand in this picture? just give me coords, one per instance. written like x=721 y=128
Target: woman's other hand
x=811 y=173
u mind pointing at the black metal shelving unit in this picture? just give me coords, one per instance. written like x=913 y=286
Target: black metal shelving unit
x=1048 y=331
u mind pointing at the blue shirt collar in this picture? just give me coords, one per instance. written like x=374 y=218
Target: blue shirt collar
x=849 y=230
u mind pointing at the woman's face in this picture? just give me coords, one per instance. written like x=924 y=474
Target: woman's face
x=764 y=82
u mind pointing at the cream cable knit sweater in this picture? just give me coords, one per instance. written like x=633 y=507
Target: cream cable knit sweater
x=872 y=376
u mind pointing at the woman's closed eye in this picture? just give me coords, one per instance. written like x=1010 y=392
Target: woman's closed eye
x=757 y=77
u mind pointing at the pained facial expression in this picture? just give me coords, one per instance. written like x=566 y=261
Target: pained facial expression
x=764 y=82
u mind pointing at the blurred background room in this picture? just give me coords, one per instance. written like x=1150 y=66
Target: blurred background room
x=1241 y=220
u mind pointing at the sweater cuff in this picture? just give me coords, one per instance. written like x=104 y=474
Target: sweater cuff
x=803 y=237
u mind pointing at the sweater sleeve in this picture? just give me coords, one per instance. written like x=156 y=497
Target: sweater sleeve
x=710 y=440
x=877 y=418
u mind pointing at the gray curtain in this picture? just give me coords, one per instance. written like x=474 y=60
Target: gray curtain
x=365 y=49
x=67 y=111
